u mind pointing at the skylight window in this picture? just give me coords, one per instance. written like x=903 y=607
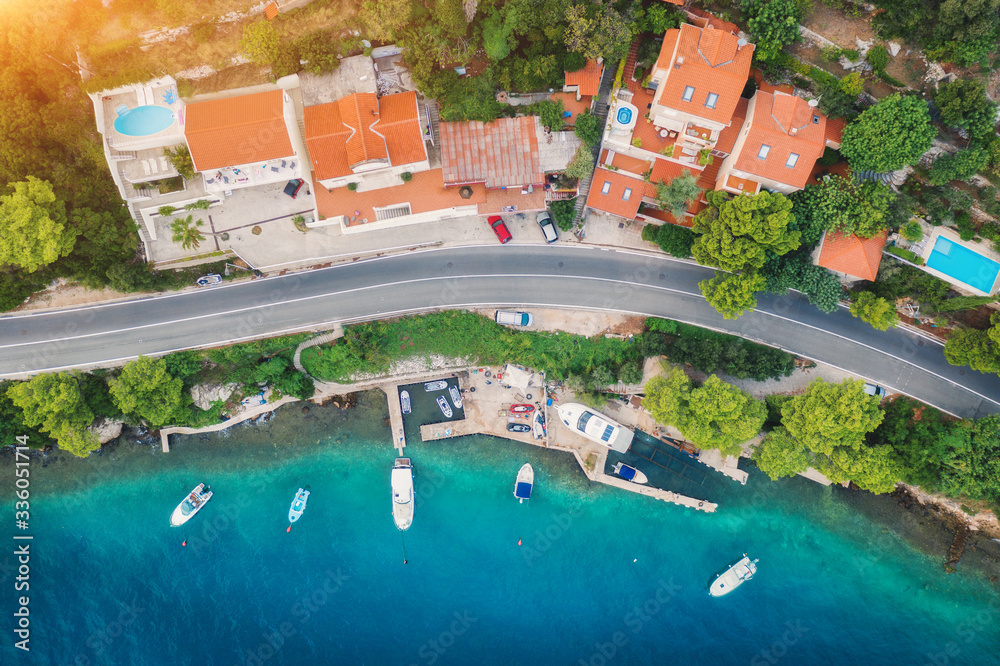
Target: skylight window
x=607 y=187
x=627 y=194
x=764 y=150
x=688 y=93
x=793 y=158
x=712 y=100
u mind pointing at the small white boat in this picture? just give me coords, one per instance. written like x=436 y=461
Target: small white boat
x=402 y=493
x=538 y=425
x=733 y=577
x=445 y=407
x=630 y=473
x=404 y=401
x=298 y=506
x=525 y=479
x=439 y=385
x=456 y=396
x=191 y=505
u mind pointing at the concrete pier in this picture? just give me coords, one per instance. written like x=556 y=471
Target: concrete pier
x=395 y=416
x=250 y=413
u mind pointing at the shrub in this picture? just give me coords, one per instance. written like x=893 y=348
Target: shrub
x=406 y=176
x=878 y=57
x=573 y=61
x=903 y=254
x=589 y=128
x=852 y=84
x=166 y=211
x=829 y=157
x=319 y=49
x=582 y=164
x=564 y=213
x=675 y=240
x=912 y=231
x=353 y=187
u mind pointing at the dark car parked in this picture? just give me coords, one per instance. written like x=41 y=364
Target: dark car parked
x=293 y=187
x=500 y=229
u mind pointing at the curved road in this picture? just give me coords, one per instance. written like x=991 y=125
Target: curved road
x=525 y=275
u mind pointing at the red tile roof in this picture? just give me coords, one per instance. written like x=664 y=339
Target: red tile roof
x=728 y=136
x=502 y=153
x=850 y=254
x=588 y=79
x=679 y=3
x=271 y=11
x=710 y=60
x=834 y=130
x=237 y=130
x=665 y=171
x=400 y=125
x=701 y=18
x=788 y=125
x=613 y=202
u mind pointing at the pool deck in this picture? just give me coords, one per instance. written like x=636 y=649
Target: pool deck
x=981 y=249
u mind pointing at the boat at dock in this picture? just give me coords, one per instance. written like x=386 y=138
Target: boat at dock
x=525 y=480
x=298 y=505
x=538 y=425
x=191 y=505
x=445 y=407
x=404 y=401
x=733 y=577
x=522 y=409
x=402 y=493
x=456 y=396
x=439 y=385
x=630 y=473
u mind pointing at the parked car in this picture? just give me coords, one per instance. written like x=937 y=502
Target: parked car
x=518 y=427
x=875 y=389
x=511 y=318
x=500 y=229
x=293 y=187
x=548 y=227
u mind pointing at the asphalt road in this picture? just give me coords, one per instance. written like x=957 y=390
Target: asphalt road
x=512 y=275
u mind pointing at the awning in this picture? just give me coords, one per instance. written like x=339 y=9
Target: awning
x=515 y=376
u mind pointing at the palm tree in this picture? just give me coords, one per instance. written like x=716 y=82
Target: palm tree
x=186 y=232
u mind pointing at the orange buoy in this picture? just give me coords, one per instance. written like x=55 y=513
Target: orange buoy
x=289 y=529
x=518 y=542
x=185 y=543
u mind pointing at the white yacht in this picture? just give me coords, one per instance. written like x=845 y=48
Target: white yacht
x=733 y=577
x=630 y=473
x=445 y=407
x=404 y=401
x=525 y=480
x=191 y=505
x=439 y=385
x=595 y=426
x=298 y=506
x=456 y=396
x=402 y=493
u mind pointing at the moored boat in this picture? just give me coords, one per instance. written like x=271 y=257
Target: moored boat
x=439 y=385
x=630 y=473
x=298 y=505
x=733 y=577
x=191 y=505
x=456 y=396
x=522 y=409
x=525 y=480
x=445 y=407
x=404 y=401
x=402 y=493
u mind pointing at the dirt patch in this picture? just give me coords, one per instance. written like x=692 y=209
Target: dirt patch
x=628 y=326
x=837 y=26
x=66 y=295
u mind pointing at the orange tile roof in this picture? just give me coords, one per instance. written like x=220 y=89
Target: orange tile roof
x=501 y=202
x=400 y=125
x=701 y=18
x=665 y=171
x=271 y=11
x=570 y=104
x=788 y=125
x=834 y=130
x=712 y=61
x=588 y=79
x=850 y=254
x=628 y=163
x=679 y=3
x=502 y=153
x=613 y=202
x=237 y=130
x=728 y=136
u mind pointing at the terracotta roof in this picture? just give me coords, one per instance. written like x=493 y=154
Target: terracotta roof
x=628 y=163
x=400 y=125
x=613 y=201
x=271 y=11
x=502 y=153
x=570 y=104
x=834 y=130
x=788 y=125
x=711 y=61
x=701 y=18
x=237 y=130
x=728 y=136
x=850 y=254
x=588 y=79
x=679 y=3
x=665 y=171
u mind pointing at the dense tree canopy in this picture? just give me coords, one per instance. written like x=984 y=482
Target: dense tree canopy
x=962 y=31
x=878 y=312
x=55 y=404
x=598 y=30
x=980 y=350
x=737 y=233
x=892 y=134
x=33 y=228
x=732 y=294
x=847 y=206
x=963 y=103
x=828 y=416
x=145 y=389
x=721 y=416
x=773 y=23
x=781 y=455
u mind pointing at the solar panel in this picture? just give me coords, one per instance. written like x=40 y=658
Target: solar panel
x=607 y=433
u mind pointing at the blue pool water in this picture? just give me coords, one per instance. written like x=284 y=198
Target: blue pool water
x=144 y=120
x=963 y=264
x=624 y=115
x=603 y=577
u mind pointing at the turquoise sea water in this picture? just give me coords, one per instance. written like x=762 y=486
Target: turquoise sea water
x=601 y=577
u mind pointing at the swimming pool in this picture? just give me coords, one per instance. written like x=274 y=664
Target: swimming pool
x=963 y=264
x=624 y=115
x=144 y=120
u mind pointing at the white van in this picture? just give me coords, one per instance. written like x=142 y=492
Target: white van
x=511 y=318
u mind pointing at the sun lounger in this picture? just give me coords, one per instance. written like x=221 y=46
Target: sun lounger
x=145 y=167
x=121 y=109
x=164 y=164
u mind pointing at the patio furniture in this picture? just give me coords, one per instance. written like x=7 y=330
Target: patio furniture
x=121 y=109
x=663 y=134
x=164 y=164
x=145 y=167
x=274 y=169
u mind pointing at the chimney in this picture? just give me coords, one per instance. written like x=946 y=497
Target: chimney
x=678 y=62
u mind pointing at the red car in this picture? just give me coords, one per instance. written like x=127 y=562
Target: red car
x=500 y=229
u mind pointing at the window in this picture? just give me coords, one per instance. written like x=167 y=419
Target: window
x=688 y=93
x=627 y=194
x=793 y=158
x=762 y=153
x=607 y=187
x=815 y=120
x=712 y=100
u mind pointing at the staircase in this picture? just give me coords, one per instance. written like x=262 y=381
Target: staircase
x=336 y=333
x=434 y=118
x=601 y=111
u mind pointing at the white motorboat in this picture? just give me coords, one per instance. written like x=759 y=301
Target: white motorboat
x=456 y=396
x=630 y=473
x=404 y=401
x=439 y=385
x=402 y=493
x=733 y=577
x=298 y=506
x=191 y=505
x=525 y=480
x=445 y=407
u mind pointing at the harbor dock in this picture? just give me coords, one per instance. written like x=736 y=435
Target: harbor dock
x=395 y=416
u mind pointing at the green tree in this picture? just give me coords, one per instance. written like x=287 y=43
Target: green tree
x=384 y=19
x=963 y=103
x=667 y=397
x=597 y=30
x=721 y=416
x=582 y=164
x=732 y=294
x=876 y=469
x=55 y=404
x=892 y=134
x=980 y=350
x=878 y=58
x=672 y=239
x=850 y=207
x=737 y=234
x=498 y=32
x=564 y=213
x=678 y=194
x=33 y=228
x=180 y=158
x=186 y=232
x=773 y=23
x=630 y=373
x=550 y=114
x=961 y=166
x=852 y=85
x=830 y=416
x=780 y=455
x=878 y=312
x=261 y=42
x=589 y=128
x=975 y=470
x=145 y=389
